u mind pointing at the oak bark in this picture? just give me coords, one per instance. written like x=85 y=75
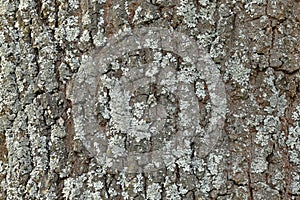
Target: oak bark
x=254 y=43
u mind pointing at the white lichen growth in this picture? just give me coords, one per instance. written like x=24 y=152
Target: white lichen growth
x=188 y=11
x=99 y=39
x=74 y=4
x=86 y=18
x=259 y=164
x=138 y=185
x=85 y=36
x=71 y=30
x=293 y=140
x=154 y=191
x=172 y=192
x=72 y=187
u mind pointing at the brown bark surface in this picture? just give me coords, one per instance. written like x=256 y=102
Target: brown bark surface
x=254 y=43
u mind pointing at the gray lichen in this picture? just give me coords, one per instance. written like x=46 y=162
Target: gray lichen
x=255 y=43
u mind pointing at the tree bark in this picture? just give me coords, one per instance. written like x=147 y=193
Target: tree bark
x=255 y=46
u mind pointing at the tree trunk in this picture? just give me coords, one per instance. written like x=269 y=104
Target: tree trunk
x=47 y=150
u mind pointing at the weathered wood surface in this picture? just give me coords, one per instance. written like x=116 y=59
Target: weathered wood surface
x=255 y=43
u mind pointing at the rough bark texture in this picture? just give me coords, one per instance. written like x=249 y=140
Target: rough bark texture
x=256 y=45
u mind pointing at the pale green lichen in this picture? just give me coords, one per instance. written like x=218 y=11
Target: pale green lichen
x=237 y=71
x=265 y=128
